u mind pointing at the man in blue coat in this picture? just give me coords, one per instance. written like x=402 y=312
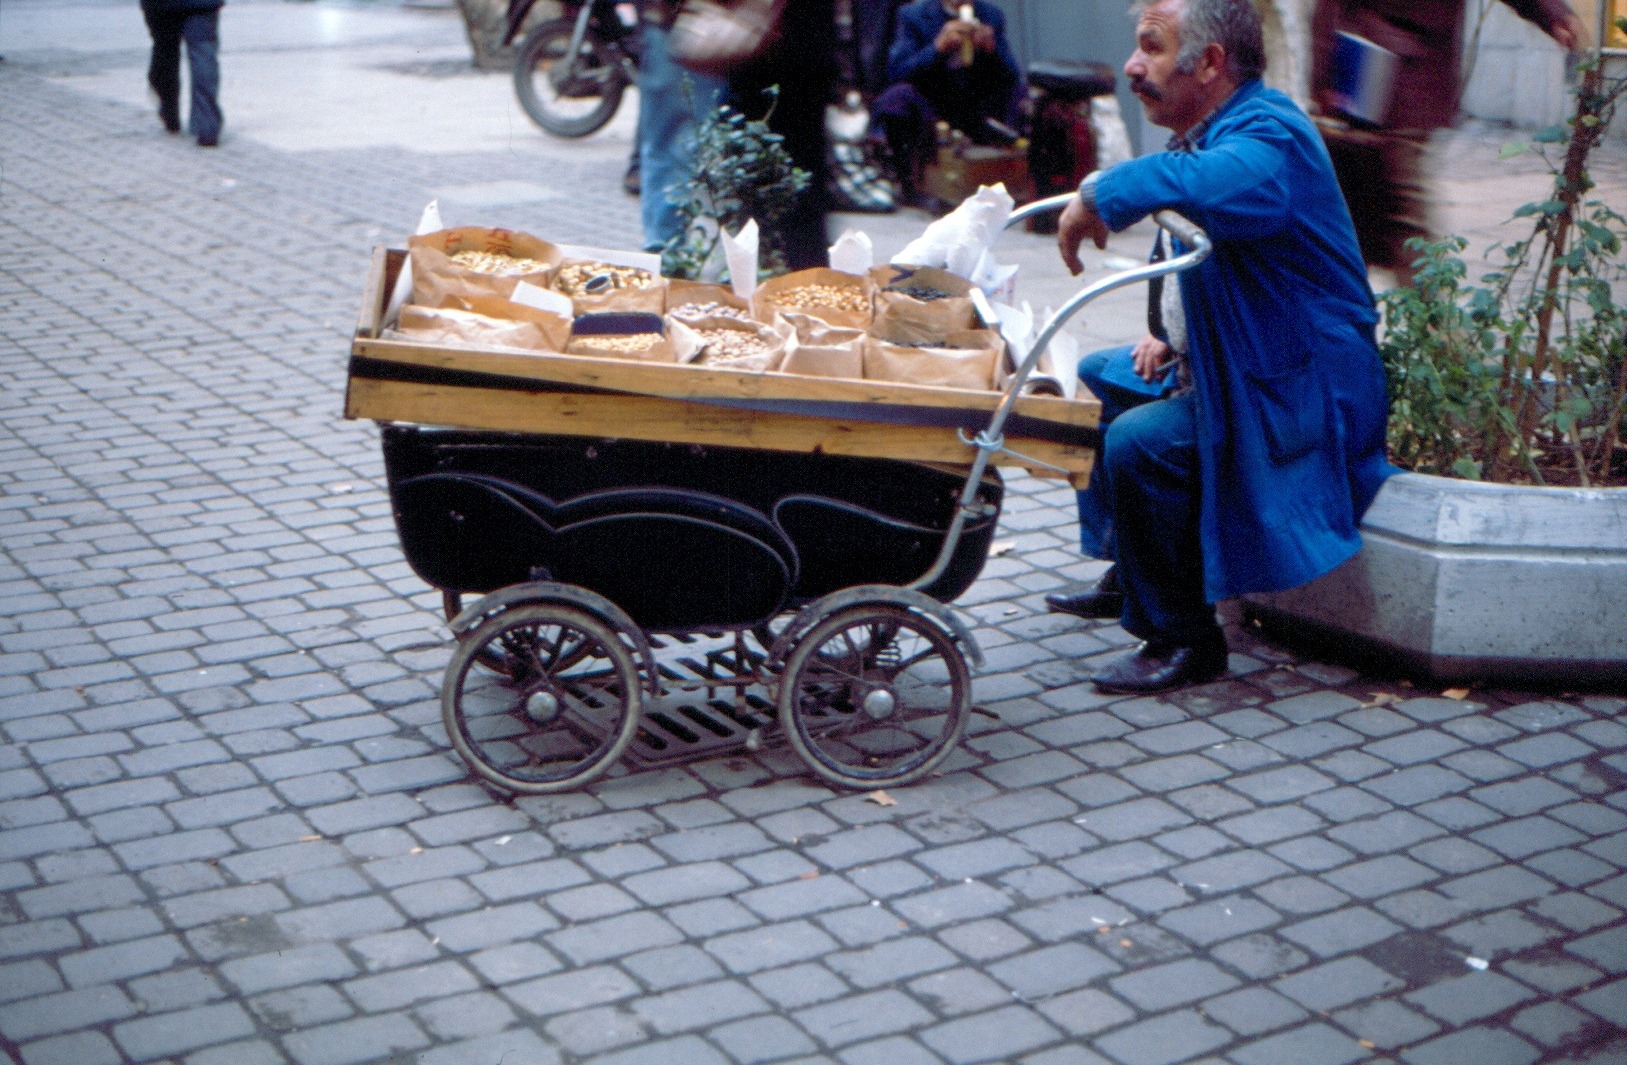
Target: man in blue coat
x=944 y=66
x=1254 y=478
x=197 y=24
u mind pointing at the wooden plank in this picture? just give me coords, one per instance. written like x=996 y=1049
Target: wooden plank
x=679 y=421
x=374 y=294
x=675 y=381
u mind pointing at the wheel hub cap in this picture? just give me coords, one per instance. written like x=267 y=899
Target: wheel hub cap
x=542 y=707
x=879 y=703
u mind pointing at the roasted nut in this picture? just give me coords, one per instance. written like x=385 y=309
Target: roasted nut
x=582 y=279
x=491 y=262
x=823 y=297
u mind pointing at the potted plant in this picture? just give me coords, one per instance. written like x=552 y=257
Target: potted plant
x=1502 y=556
x=742 y=172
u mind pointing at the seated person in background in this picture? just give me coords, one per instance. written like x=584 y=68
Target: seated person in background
x=944 y=67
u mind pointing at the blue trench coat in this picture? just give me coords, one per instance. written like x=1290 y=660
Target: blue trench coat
x=1280 y=323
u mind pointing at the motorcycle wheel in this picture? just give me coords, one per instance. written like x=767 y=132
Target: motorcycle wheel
x=571 y=106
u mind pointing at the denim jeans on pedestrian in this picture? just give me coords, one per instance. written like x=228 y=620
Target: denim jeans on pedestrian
x=672 y=102
x=1149 y=472
x=200 y=30
x=1110 y=375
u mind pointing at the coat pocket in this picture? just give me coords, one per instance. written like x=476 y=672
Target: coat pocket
x=1293 y=412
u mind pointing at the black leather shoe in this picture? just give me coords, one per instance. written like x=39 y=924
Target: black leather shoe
x=1163 y=667
x=1104 y=600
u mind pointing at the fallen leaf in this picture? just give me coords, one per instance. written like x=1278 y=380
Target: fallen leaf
x=881 y=798
x=812 y=874
x=310 y=839
x=416 y=850
x=1382 y=699
x=1456 y=693
x=1366 y=1044
x=1000 y=547
x=1126 y=944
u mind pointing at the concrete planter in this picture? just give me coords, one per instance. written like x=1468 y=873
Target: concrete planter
x=1460 y=581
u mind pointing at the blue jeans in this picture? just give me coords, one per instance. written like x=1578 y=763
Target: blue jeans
x=1149 y=473
x=200 y=30
x=1110 y=375
x=672 y=102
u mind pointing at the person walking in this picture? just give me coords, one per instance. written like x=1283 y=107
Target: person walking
x=196 y=23
x=1383 y=162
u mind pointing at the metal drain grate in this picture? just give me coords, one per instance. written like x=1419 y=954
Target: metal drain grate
x=703 y=709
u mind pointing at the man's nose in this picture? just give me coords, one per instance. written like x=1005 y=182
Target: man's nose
x=1133 y=67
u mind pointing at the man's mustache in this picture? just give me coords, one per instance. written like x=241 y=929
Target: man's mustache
x=1144 y=88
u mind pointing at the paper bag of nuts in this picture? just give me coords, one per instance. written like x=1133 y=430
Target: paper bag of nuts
x=621 y=335
x=920 y=304
x=536 y=331
x=725 y=342
x=688 y=300
x=816 y=348
x=475 y=261
x=596 y=286
x=970 y=358
x=829 y=295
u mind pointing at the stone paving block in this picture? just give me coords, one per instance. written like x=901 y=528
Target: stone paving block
x=998 y=1035
x=1163 y=1040
x=296 y=1008
x=483 y=928
x=1311 y=1044
x=64 y=1011
x=1605 y=1001
x=1040 y=974
x=710 y=917
x=1219 y=919
x=76 y=1048
x=395 y=990
x=529 y=879
x=860 y=1017
x=770 y=946
x=287 y=968
x=1485 y=1045
x=363 y=1039
x=890 y=962
x=147 y=1038
x=1129 y=820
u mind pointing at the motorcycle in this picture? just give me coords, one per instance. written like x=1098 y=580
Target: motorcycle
x=570 y=72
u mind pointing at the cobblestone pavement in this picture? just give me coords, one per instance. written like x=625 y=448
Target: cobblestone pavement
x=231 y=830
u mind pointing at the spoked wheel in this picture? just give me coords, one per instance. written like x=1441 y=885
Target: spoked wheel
x=561 y=717
x=874 y=696
x=567 y=99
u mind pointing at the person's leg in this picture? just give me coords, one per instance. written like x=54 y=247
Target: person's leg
x=164 y=68
x=672 y=103
x=201 y=29
x=1150 y=466
x=908 y=127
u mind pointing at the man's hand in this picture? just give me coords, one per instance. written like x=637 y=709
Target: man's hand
x=1077 y=223
x=983 y=37
x=1570 y=33
x=1152 y=358
x=954 y=32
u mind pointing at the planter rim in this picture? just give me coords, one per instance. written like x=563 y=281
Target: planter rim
x=1496 y=487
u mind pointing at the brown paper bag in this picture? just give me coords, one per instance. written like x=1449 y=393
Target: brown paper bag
x=461 y=328
x=829 y=295
x=630 y=288
x=970 y=358
x=727 y=344
x=437 y=279
x=815 y=348
x=906 y=314
x=555 y=329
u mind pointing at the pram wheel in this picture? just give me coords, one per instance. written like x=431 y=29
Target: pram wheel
x=874 y=696
x=560 y=712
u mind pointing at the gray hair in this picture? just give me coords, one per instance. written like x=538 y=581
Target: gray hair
x=1232 y=24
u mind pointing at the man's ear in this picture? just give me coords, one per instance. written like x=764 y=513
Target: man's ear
x=1211 y=62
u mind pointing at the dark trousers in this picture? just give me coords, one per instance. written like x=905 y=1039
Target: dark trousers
x=909 y=124
x=200 y=31
x=1149 y=473
x=1110 y=375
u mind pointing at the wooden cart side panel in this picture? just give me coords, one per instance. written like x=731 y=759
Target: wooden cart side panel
x=674 y=381
x=677 y=421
